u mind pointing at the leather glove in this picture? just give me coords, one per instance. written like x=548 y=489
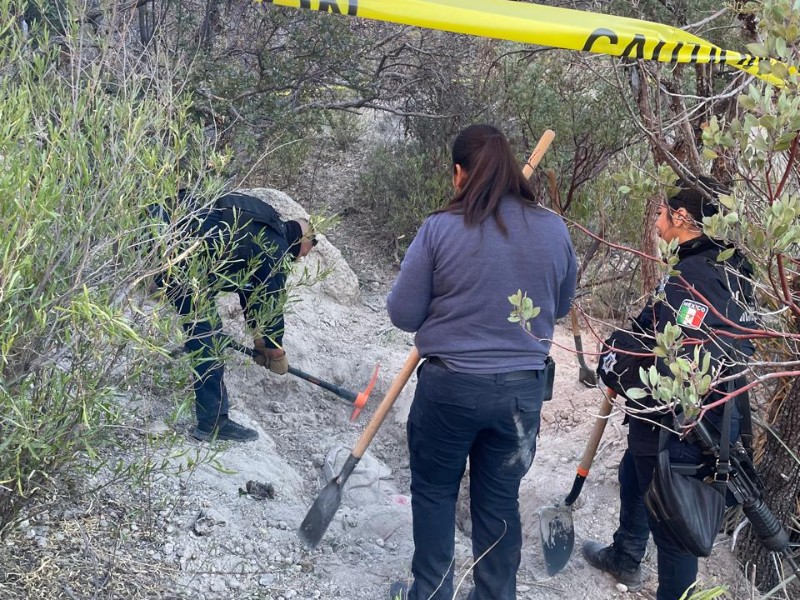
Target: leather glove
x=273 y=359
x=279 y=365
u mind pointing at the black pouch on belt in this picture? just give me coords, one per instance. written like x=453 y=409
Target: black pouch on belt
x=549 y=378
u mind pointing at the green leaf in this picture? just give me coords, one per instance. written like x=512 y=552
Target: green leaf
x=725 y=254
x=636 y=393
x=747 y=103
x=768 y=121
x=731 y=218
x=726 y=201
x=785 y=141
x=780 y=49
x=779 y=69
x=757 y=49
x=706 y=362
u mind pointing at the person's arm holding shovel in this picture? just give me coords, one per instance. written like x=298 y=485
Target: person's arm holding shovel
x=269 y=352
x=272 y=275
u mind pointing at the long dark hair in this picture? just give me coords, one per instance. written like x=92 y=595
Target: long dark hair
x=491 y=173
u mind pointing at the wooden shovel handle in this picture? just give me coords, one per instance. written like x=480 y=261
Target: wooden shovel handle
x=595 y=437
x=538 y=152
x=386 y=404
x=591 y=450
x=576 y=327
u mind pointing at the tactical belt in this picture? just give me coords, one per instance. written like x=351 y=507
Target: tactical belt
x=496 y=377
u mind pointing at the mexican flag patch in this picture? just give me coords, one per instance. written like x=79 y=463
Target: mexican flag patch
x=691 y=314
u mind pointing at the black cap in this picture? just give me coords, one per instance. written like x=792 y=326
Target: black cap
x=294 y=235
x=698 y=199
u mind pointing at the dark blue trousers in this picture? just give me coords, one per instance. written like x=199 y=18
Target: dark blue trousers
x=204 y=343
x=677 y=569
x=494 y=422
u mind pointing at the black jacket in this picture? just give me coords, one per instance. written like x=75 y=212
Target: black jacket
x=688 y=298
x=247 y=250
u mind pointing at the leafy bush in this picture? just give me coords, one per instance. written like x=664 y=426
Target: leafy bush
x=83 y=148
x=401 y=184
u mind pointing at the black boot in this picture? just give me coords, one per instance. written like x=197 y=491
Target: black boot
x=224 y=430
x=606 y=559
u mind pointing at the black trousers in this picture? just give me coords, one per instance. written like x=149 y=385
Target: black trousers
x=493 y=421
x=251 y=261
x=677 y=569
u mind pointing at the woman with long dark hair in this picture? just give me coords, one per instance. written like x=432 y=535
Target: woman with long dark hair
x=481 y=387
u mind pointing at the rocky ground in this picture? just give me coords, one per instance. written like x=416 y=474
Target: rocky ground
x=195 y=531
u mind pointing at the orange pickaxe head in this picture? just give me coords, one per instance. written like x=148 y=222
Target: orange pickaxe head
x=361 y=399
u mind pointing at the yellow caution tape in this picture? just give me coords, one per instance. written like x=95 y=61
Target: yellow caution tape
x=546 y=26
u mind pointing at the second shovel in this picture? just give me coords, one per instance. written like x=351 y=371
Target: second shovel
x=555 y=521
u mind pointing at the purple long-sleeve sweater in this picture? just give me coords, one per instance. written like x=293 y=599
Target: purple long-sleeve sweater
x=455 y=281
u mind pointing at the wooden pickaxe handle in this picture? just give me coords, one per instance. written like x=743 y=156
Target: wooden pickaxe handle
x=538 y=153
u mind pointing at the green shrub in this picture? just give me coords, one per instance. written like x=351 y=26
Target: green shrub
x=400 y=185
x=83 y=148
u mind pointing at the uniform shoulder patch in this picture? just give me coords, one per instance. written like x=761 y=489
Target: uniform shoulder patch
x=609 y=362
x=691 y=314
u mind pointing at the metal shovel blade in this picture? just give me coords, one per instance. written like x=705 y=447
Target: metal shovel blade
x=555 y=521
x=558 y=536
x=327 y=503
x=321 y=514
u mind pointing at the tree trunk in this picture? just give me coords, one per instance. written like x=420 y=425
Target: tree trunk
x=781 y=475
x=648 y=240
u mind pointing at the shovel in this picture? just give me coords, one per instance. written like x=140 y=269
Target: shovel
x=555 y=521
x=585 y=375
x=327 y=503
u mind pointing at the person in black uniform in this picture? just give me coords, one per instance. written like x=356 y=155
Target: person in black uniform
x=703 y=283
x=246 y=248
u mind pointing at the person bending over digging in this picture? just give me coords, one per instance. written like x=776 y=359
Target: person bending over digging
x=480 y=390
x=244 y=247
